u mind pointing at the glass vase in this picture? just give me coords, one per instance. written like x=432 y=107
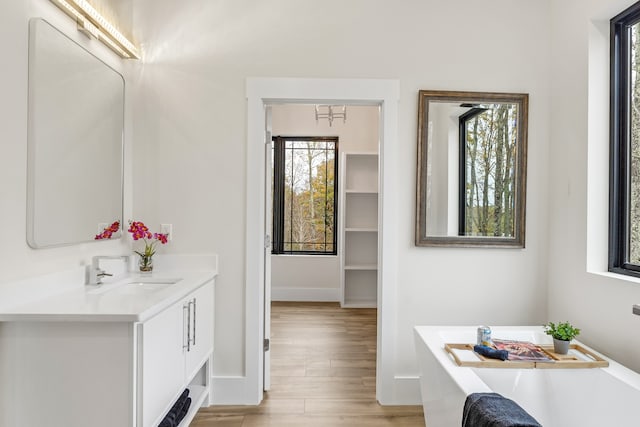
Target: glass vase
x=145 y=264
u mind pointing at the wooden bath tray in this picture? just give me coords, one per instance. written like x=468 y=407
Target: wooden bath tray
x=559 y=361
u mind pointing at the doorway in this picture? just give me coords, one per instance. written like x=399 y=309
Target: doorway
x=262 y=92
x=324 y=200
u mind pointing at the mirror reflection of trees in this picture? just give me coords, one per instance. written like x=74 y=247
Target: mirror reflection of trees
x=487 y=197
x=634 y=208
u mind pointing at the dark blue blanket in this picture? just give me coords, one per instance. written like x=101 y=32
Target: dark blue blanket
x=494 y=410
x=178 y=411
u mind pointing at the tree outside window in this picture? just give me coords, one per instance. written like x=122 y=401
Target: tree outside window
x=305 y=196
x=624 y=199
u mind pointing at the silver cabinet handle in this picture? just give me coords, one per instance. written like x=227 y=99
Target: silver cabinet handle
x=189 y=324
x=185 y=307
x=194 y=322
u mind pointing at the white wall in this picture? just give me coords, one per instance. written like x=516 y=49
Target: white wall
x=191 y=141
x=305 y=278
x=599 y=303
x=312 y=277
x=18 y=260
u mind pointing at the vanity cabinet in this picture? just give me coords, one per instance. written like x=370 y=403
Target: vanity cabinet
x=174 y=346
x=107 y=370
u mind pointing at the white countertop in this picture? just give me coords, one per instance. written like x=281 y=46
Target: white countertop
x=110 y=302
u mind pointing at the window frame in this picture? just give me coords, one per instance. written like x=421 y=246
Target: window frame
x=462 y=166
x=620 y=141
x=279 y=150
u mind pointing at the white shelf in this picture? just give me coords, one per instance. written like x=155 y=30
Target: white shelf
x=362 y=267
x=362 y=154
x=352 y=191
x=359 y=230
x=198 y=394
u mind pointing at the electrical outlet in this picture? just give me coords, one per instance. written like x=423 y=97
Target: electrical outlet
x=167 y=229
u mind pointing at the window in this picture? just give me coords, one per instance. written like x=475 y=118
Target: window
x=304 y=195
x=624 y=193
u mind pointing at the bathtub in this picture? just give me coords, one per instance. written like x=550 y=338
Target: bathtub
x=555 y=397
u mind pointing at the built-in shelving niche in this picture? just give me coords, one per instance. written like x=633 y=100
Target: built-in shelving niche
x=359 y=230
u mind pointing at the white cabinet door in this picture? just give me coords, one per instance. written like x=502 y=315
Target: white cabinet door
x=174 y=346
x=201 y=334
x=161 y=367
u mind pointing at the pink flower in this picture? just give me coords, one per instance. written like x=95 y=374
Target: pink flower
x=108 y=231
x=162 y=238
x=140 y=231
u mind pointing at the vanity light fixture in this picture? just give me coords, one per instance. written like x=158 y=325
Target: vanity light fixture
x=92 y=23
x=331 y=114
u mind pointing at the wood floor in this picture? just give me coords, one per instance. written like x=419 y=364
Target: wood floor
x=323 y=373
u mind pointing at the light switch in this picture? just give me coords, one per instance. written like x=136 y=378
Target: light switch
x=167 y=229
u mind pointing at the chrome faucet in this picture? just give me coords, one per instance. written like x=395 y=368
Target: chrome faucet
x=96 y=273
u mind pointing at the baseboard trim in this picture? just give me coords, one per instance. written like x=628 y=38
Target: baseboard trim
x=231 y=390
x=305 y=294
x=228 y=390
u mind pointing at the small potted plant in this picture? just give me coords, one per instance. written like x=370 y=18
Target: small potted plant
x=562 y=334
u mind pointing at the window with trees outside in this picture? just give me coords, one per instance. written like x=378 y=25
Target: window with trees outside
x=305 y=171
x=624 y=192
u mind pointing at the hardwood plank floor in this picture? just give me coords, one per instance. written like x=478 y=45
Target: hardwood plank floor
x=323 y=371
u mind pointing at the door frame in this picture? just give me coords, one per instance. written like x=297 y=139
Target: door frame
x=270 y=91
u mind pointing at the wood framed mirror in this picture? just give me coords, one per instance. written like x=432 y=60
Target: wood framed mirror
x=471 y=176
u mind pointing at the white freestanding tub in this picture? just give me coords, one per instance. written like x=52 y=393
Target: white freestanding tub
x=594 y=397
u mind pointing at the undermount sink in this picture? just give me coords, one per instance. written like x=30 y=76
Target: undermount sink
x=136 y=286
x=152 y=283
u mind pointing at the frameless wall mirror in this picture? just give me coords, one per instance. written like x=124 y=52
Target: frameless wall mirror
x=471 y=177
x=75 y=141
